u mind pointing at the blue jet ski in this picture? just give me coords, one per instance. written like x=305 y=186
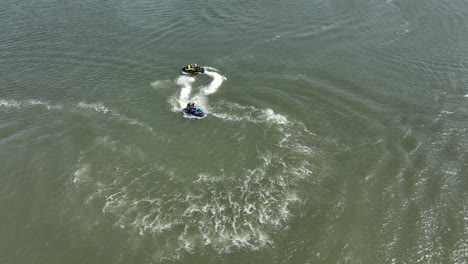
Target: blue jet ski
x=193 y=69
x=191 y=109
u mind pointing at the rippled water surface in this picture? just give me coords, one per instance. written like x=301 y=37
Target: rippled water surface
x=336 y=132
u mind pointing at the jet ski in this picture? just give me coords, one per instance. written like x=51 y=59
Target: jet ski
x=192 y=110
x=193 y=69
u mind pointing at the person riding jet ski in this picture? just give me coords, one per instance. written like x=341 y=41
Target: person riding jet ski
x=191 y=109
x=191 y=106
x=193 y=68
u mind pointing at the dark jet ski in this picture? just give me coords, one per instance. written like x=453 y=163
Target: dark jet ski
x=191 y=109
x=193 y=69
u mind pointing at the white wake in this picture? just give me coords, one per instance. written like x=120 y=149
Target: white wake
x=200 y=97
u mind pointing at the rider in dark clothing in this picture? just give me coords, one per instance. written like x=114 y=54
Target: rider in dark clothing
x=191 y=107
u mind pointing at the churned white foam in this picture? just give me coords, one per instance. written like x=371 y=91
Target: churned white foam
x=213 y=87
x=303 y=170
x=303 y=149
x=210 y=68
x=275 y=118
x=185 y=83
x=445 y=112
x=466 y=96
x=10 y=103
x=207 y=178
x=28 y=104
x=98 y=107
x=184 y=95
x=81 y=173
x=237 y=113
x=157 y=225
x=225 y=211
x=49 y=106
x=37 y=102
x=235 y=118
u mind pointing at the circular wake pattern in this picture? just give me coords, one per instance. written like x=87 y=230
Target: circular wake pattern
x=222 y=210
x=200 y=97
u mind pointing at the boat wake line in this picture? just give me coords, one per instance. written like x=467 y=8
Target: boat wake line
x=200 y=97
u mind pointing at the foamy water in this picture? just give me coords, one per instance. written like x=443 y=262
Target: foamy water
x=198 y=95
x=242 y=214
x=336 y=132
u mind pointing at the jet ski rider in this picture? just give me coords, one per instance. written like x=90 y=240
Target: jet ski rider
x=192 y=67
x=191 y=107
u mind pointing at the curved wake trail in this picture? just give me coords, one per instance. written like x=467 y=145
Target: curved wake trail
x=213 y=87
x=185 y=83
x=225 y=211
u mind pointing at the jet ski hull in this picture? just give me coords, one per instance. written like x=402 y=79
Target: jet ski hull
x=197 y=112
x=196 y=71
